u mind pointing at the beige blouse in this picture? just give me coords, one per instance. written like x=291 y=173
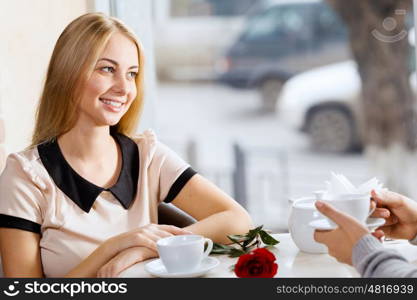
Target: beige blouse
x=40 y=192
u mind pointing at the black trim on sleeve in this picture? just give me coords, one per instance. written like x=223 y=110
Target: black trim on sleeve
x=19 y=223
x=179 y=184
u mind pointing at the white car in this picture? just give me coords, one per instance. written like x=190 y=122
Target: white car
x=323 y=102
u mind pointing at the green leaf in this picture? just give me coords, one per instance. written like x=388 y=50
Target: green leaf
x=237 y=238
x=236 y=252
x=267 y=239
x=254 y=232
x=251 y=247
x=221 y=249
x=252 y=235
x=245 y=243
x=217 y=245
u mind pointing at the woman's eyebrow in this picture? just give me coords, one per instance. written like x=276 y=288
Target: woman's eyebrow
x=115 y=62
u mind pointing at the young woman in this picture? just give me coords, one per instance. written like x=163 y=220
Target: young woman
x=82 y=200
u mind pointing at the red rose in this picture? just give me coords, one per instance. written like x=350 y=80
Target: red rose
x=259 y=263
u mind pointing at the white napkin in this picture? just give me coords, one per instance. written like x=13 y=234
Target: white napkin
x=339 y=185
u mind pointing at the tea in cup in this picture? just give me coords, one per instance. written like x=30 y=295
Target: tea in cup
x=183 y=253
x=355 y=205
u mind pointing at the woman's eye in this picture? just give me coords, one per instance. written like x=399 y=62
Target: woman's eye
x=108 y=69
x=133 y=74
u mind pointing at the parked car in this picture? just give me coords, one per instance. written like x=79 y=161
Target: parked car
x=324 y=103
x=283 y=38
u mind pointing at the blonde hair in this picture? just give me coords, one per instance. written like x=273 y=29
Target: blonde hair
x=72 y=63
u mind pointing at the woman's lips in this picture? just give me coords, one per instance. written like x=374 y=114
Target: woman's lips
x=112 y=105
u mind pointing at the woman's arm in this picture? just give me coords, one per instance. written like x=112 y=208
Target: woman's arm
x=20 y=253
x=218 y=215
x=20 y=256
x=143 y=239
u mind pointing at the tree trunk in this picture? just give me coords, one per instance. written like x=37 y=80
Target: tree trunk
x=379 y=43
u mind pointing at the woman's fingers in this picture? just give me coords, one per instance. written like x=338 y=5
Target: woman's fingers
x=145 y=236
x=124 y=260
x=142 y=239
x=158 y=232
x=174 y=230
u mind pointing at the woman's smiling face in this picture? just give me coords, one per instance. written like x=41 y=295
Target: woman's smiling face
x=111 y=89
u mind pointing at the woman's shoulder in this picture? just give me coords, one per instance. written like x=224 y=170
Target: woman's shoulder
x=147 y=141
x=25 y=164
x=147 y=136
x=150 y=148
x=24 y=158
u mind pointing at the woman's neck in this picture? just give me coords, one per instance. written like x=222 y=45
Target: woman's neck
x=92 y=144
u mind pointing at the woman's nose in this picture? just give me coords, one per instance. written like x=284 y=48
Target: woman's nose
x=120 y=85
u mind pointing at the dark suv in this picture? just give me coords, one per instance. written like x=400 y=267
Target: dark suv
x=284 y=38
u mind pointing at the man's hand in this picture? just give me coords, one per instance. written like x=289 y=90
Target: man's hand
x=400 y=214
x=340 y=241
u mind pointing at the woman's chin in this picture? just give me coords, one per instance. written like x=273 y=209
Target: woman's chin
x=112 y=123
x=108 y=122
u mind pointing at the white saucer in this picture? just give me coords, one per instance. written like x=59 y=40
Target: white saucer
x=324 y=224
x=156 y=268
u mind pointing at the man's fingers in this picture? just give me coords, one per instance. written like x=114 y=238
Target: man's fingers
x=391 y=220
x=320 y=236
x=381 y=213
x=372 y=204
x=387 y=198
x=379 y=234
x=341 y=219
x=387 y=229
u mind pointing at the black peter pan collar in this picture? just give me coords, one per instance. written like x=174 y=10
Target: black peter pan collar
x=80 y=190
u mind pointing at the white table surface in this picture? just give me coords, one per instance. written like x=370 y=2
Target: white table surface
x=291 y=261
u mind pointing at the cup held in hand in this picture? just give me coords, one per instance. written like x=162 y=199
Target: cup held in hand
x=183 y=253
x=355 y=205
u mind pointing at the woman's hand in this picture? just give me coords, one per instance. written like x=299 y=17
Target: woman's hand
x=125 y=259
x=341 y=240
x=145 y=236
x=121 y=251
x=400 y=214
x=134 y=246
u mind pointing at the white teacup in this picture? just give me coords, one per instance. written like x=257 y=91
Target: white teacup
x=183 y=253
x=355 y=205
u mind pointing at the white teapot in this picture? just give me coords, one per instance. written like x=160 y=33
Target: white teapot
x=302 y=213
